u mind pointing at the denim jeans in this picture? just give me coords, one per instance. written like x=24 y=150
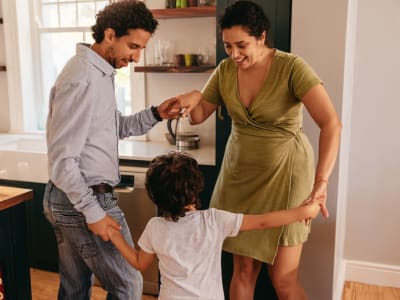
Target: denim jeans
x=82 y=254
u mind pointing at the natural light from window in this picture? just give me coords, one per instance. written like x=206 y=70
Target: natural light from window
x=60 y=25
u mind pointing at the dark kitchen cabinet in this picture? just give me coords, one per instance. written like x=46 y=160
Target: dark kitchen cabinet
x=279 y=13
x=41 y=241
x=14 y=264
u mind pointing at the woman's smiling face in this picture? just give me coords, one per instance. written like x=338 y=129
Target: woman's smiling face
x=243 y=48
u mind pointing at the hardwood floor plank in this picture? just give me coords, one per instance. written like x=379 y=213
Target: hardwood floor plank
x=45 y=286
x=361 y=291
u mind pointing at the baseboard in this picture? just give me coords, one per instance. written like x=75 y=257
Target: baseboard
x=339 y=279
x=372 y=273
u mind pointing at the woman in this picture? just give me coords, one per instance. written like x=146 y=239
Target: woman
x=267 y=155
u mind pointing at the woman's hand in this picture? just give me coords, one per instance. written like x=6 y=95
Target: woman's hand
x=188 y=101
x=319 y=194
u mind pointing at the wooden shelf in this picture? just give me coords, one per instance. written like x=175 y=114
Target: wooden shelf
x=175 y=69
x=189 y=12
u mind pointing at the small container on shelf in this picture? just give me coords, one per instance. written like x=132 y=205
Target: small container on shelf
x=192 y=3
x=207 y=2
x=181 y=3
x=170 y=4
x=179 y=60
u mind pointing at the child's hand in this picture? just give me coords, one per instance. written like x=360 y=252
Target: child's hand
x=312 y=209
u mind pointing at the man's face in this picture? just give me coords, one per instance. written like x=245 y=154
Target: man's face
x=127 y=48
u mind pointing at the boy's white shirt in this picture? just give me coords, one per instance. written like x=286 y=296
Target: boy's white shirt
x=189 y=252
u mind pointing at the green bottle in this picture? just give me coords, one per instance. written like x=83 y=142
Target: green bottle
x=183 y=3
x=178 y=4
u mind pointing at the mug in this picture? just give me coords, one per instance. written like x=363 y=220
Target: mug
x=188 y=60
x=179 y=59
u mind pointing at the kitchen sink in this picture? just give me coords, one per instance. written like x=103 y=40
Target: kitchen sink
x=23 y=158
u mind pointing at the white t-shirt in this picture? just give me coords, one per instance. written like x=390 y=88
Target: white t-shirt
x=189 y=252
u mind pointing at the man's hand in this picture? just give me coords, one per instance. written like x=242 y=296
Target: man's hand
x=169 y=109
x=100 y=227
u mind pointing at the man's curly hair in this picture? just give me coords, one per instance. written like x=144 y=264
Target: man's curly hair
x=121 y=16
x=248 y=14
x=174 y=181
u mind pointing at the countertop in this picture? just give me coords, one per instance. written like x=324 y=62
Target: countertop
x=23 y=157
x=146 y=151
x=11 y=196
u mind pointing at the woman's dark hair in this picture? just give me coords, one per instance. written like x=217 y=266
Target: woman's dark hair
x=249 y=15
x=174 y=181
x=121 y=16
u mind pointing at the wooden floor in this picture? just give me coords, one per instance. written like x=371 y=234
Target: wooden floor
x=360 y=291
x=45 y=286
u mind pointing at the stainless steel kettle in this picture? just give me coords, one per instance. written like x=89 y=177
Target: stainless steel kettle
x=183 y=134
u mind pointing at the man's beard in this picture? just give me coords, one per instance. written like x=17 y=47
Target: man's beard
x=111 y=58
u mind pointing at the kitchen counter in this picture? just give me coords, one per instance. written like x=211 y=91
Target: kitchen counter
x=23 y=157
x=146 y=151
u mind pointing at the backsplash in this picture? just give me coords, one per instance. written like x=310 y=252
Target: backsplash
x=187 y=35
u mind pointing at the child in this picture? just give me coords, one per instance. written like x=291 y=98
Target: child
x=187 y=241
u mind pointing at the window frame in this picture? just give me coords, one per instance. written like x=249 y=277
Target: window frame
x=22 y=34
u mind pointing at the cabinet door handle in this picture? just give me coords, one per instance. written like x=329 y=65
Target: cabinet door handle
x=125 y=189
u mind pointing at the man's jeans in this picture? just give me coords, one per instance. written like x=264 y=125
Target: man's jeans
x=82 y=254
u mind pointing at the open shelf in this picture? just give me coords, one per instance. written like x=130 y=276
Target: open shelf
x=189 y=12
x=175 y=69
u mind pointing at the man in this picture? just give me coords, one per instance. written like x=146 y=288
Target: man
x=83 y=128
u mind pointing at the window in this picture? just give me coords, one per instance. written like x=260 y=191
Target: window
x=59 y=25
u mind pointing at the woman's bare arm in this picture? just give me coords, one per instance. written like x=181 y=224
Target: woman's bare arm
x=321 y=109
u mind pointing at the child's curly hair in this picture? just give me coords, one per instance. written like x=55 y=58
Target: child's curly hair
x=121 y=16
x=174 y=181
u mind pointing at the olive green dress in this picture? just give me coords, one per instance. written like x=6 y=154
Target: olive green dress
x=268 y=163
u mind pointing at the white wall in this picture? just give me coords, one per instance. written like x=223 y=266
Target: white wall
x=318 y=35
x=373 y=206
x=374 y=190
x=354 y=46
